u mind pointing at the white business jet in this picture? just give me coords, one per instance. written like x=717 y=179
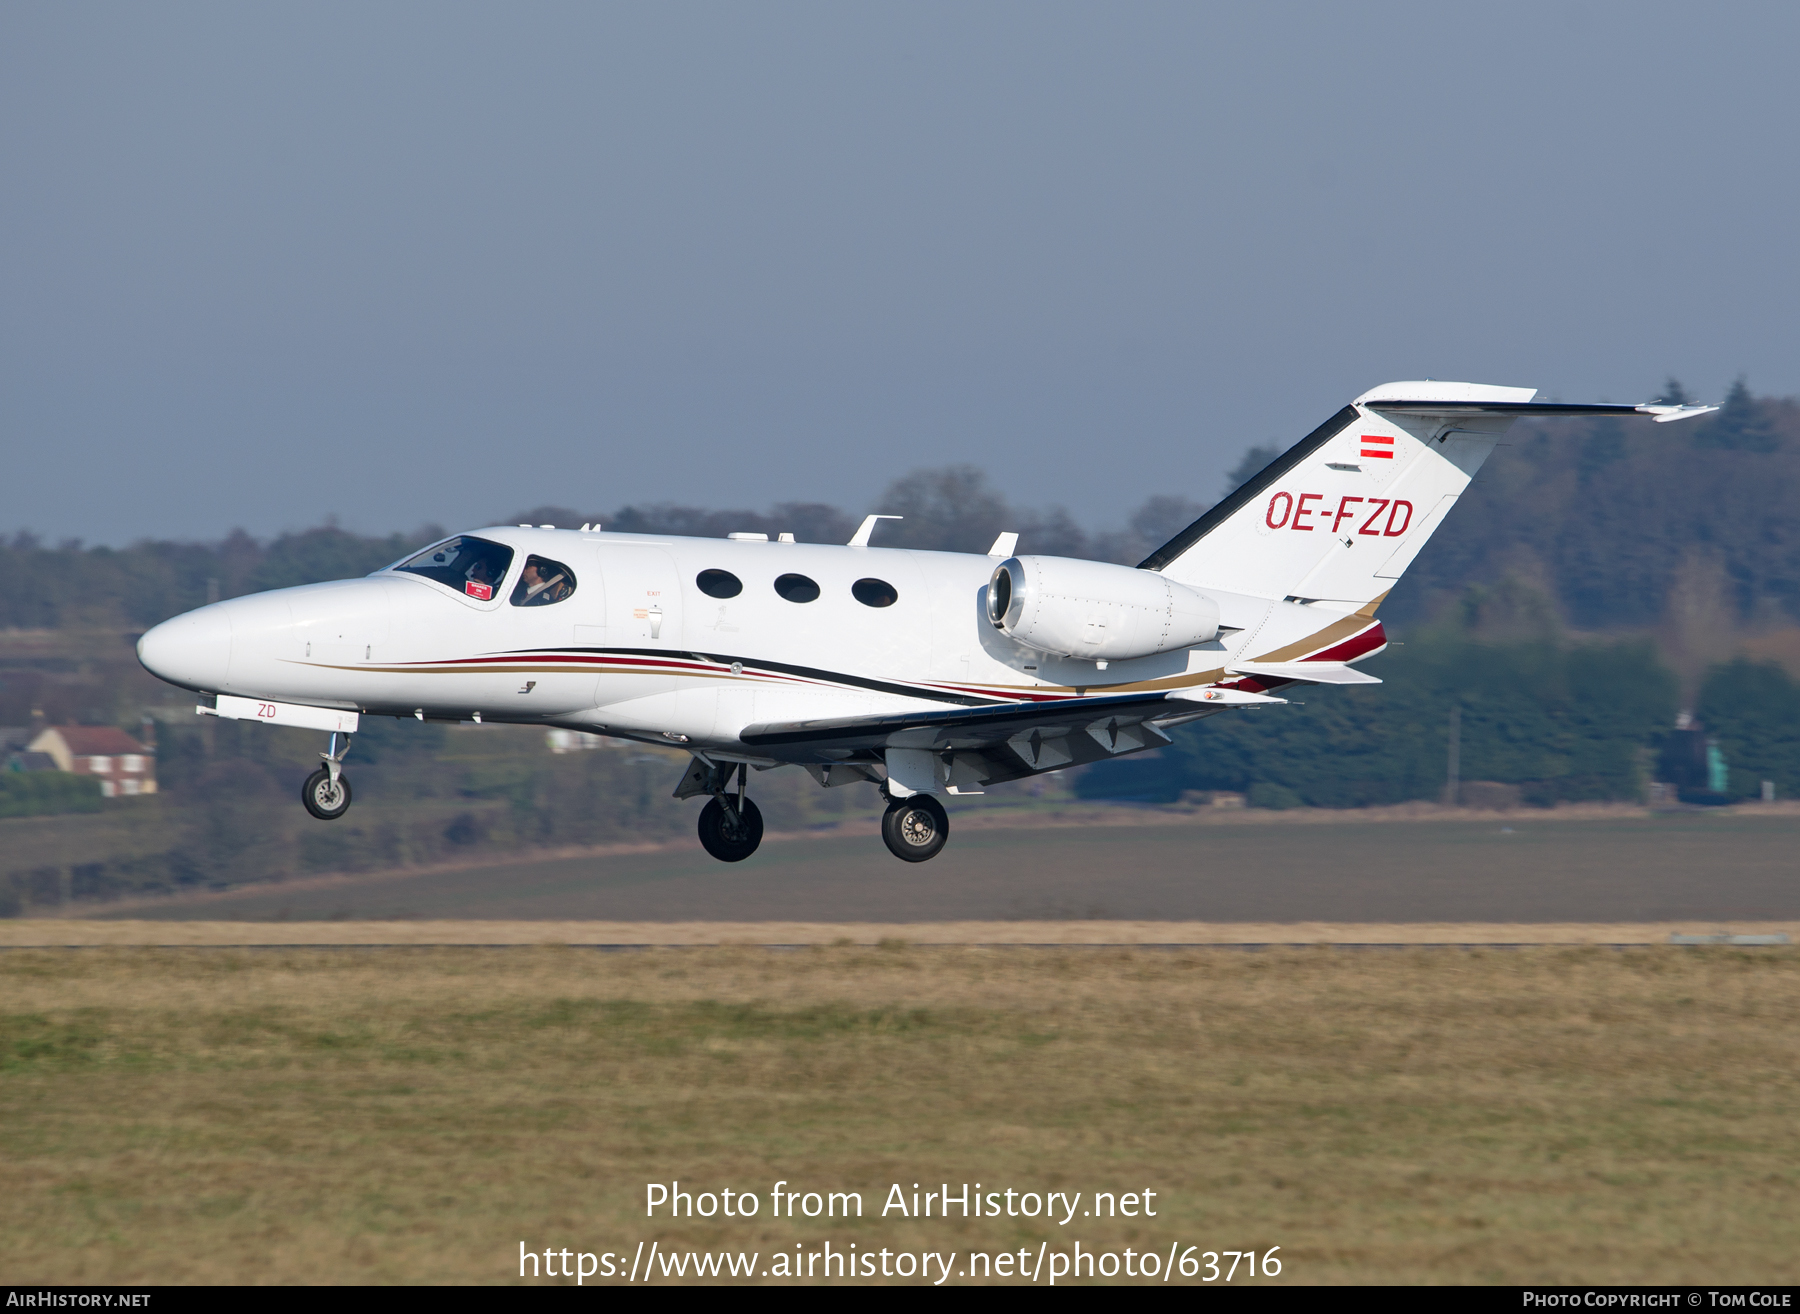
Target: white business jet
x=925 y=673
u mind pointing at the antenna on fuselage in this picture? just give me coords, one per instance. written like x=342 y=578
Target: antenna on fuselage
x=861 y=537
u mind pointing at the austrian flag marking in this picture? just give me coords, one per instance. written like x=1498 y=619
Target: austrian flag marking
x=1383 y=441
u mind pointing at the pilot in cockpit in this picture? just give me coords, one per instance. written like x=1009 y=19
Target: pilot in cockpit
x=541 y=583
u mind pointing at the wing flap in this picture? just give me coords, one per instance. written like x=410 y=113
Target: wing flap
x=955 y=727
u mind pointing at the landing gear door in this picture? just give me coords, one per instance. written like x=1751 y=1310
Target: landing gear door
x=643 y=597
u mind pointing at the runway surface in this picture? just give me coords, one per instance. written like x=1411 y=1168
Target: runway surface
x=1688 y=868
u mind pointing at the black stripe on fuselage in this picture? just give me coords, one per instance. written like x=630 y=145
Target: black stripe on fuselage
x=784 y=668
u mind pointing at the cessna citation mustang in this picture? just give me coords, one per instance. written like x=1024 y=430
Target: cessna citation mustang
x=925 y=673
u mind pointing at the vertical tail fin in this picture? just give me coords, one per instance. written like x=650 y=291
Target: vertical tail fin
x=1342 y=513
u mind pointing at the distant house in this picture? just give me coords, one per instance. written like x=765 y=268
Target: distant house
x=14 y=755
x=121 y=764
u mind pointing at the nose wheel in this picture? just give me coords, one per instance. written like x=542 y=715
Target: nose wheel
x=325 y=798
x=915 y=829
x=326 y=793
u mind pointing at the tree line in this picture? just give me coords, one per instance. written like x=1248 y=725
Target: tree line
x=1608 y=519
x=956 y=509
x=1601 y=517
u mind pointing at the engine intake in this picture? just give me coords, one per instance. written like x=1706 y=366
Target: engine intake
x=1096 y=611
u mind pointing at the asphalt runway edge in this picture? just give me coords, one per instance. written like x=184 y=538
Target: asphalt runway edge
x=78 y=933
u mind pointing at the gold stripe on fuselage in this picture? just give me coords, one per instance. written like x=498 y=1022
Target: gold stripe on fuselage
x=1333 y=633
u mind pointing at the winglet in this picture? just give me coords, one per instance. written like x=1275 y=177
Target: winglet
x=861 y=537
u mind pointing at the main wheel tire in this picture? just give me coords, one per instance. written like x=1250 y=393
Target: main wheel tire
x=728 y=842
x=915 y=829
x=324 y=800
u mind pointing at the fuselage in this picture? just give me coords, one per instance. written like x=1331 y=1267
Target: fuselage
x=681 y=640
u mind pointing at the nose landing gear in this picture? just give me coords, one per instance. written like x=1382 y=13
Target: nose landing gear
x=326 y=793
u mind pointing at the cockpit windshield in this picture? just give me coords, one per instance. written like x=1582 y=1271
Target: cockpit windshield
x=542 y=582
x=469 y=565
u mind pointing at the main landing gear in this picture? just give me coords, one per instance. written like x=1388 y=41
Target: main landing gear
x=730 y=828
x=916 y=828
x=326 y=793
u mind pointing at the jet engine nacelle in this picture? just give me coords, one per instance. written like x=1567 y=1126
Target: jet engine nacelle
x=1096 y=611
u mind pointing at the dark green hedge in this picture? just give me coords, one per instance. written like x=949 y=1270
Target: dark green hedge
x=1559 y=722
x=1753 y=711
x=41 y=793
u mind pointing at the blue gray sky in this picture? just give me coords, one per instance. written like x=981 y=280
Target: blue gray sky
x=261 y=264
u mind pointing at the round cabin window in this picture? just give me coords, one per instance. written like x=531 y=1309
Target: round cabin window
x=719 y=583
x=874 y=593
x=796 y=588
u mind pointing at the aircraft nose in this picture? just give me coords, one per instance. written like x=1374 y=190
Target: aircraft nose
x=192 y=650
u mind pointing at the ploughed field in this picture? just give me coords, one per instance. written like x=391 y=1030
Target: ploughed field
x=1382 y=1115
x=1110 y=863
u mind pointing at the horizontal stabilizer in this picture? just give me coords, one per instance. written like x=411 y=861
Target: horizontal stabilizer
x=1528 y=409
x=1311 y=672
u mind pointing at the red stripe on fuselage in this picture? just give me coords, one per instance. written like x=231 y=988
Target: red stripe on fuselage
x=650 y=665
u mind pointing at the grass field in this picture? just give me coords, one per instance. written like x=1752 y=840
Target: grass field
x=1416 y=1115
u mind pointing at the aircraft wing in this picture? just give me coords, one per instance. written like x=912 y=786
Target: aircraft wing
x=1003 y=742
